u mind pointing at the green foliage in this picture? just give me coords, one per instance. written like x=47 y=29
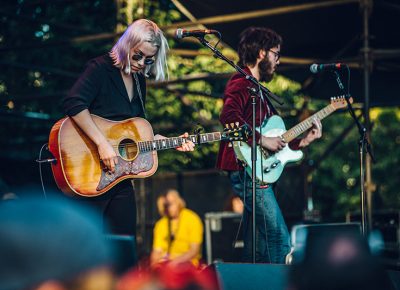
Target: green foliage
x=336 y=182
x=386 y=141
x=37 y=39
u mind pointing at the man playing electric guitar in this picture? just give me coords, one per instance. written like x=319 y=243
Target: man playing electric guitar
x=259 y=53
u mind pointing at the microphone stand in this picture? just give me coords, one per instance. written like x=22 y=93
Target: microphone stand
x=364 y=146
x=254 y=93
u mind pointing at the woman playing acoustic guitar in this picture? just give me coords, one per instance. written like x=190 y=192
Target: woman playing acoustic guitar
x=113 y=86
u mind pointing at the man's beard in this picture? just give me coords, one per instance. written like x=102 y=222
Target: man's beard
x=264 y=69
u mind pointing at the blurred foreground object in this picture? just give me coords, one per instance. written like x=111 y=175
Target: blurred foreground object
x=338 y=260
x=52 y=241
x=168 y=276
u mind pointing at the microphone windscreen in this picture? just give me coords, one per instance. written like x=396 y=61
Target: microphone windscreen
x=314 y=68
x=179 y=33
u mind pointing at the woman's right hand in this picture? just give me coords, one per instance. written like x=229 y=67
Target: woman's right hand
x=106 y=152
x=107 y=155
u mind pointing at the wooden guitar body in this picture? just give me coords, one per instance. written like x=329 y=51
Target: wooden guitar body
x=79 y=170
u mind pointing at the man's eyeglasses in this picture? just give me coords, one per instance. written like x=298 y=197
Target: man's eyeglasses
x=276 y=53
x=147 y=60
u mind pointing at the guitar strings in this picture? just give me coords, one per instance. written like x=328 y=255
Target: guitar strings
x=149 y=142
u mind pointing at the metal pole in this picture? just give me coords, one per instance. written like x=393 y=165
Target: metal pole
x=366 y=10
x=253 y=178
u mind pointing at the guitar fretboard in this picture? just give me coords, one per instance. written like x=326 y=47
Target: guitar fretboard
x=167 y=143
x=307 y=123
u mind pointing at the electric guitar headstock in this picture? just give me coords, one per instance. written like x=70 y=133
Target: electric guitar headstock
x=340 y=102
x=234 y=132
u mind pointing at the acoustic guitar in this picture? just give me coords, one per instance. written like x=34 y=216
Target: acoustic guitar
x=78 y=170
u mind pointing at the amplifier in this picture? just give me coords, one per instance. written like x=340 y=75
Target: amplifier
x=224 y=237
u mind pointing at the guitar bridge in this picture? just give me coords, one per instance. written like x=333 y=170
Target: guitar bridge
x=264 y=152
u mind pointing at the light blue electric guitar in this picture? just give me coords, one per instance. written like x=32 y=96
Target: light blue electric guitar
x=269 y=166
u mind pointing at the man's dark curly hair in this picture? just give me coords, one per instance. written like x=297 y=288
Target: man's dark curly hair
x=254 y=39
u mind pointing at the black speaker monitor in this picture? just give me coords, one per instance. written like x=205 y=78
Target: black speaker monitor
x=124 y=247
x=239 y=276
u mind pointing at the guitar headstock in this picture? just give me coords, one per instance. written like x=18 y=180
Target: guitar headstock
x=234 y=132
x=340 y=102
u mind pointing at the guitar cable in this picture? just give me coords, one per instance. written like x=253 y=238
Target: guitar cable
x=244 y=208
x=40 y=161
x=262 y=101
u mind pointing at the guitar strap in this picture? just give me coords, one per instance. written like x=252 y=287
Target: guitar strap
x=270 y=107
x=139 y=93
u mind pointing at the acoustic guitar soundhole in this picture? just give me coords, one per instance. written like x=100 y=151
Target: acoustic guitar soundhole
x=128 y=149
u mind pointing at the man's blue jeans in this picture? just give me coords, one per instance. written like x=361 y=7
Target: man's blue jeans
x=272 y=236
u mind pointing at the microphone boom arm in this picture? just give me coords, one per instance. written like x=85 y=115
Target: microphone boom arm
x=219 y=55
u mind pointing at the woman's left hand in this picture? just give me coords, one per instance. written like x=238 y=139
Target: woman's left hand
x=188 y=145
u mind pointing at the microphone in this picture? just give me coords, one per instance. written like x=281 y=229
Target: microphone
x=182 y=33
x=316 y=68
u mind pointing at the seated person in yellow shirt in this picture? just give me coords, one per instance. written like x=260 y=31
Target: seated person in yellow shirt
x=178 y=235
